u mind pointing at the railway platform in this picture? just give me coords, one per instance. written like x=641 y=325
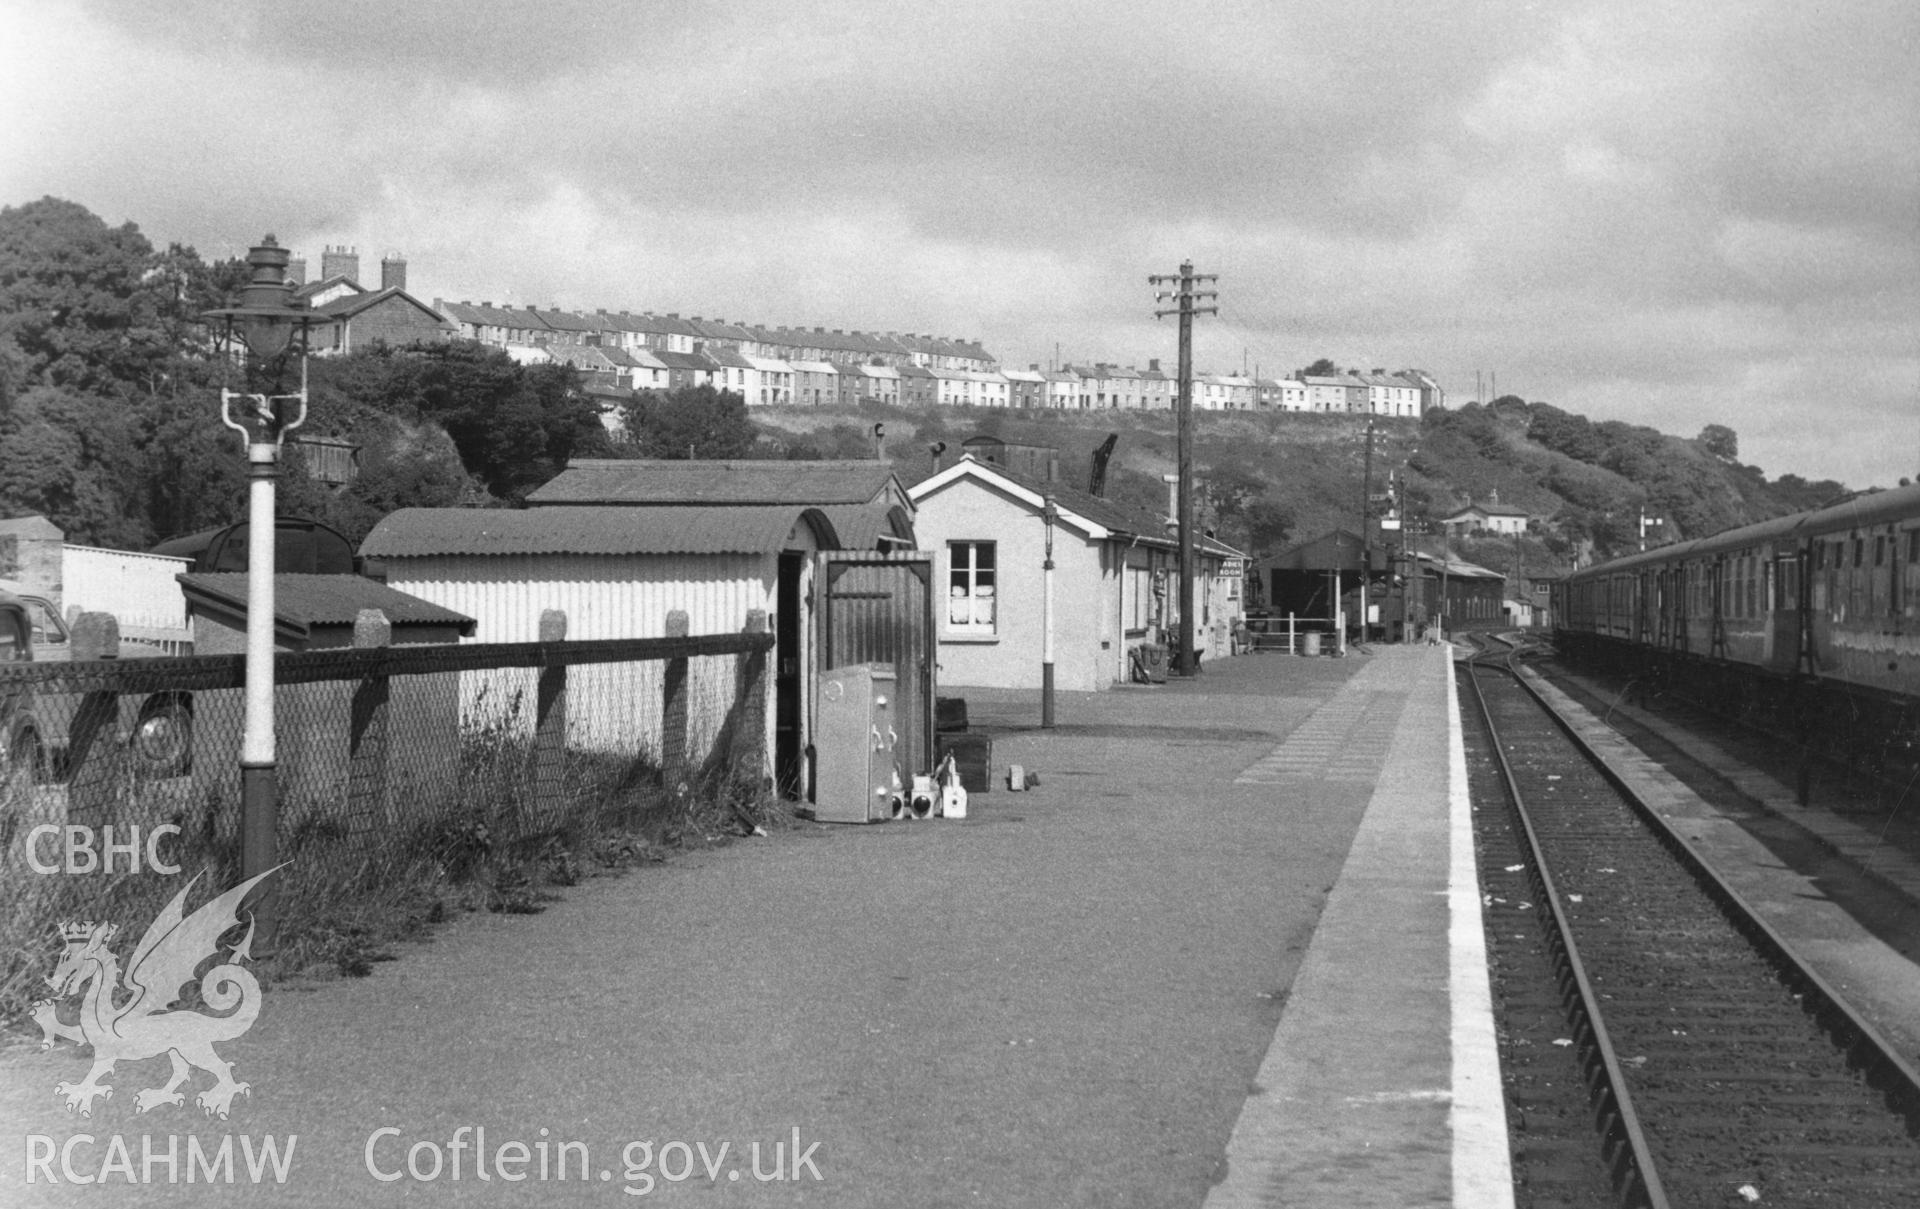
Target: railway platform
x=1228 y=953
x=1381 y=1085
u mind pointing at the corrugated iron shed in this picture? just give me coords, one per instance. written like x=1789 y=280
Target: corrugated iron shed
x=748 y=529
x=304 y=601
x=661 y=481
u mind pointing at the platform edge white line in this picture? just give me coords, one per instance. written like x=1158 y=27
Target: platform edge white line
x=1482 y=1163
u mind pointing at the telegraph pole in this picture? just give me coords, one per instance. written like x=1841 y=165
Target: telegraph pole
x=1366 y=539
x=1184 y=662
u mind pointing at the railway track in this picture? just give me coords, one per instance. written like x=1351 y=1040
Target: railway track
x=1716 y=1068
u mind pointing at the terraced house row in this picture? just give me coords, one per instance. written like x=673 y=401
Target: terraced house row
x=619 y=351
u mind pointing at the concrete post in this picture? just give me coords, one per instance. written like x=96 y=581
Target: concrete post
x=550 y=729
x=369 y=805
x=750 y=741
x=673 y=711
x=95 y=757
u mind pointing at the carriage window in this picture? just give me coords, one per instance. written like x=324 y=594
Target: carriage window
x=1879 y=551
x=1859 y=549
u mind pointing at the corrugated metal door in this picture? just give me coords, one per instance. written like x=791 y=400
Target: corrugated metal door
x=877 y=607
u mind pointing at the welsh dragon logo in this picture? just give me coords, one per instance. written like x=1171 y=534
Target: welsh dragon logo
x=140 y=1026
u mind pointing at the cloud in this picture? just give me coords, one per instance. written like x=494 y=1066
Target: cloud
x=1666 y=214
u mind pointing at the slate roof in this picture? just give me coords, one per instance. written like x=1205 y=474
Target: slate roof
x=581 y=356
x=721 y=354
x=662 y=481
x=1108 y=514
x=301 y=602
x=303 y=292
x=586 y=529
x=694 y=361
x=562 y=321
x=1490 y=509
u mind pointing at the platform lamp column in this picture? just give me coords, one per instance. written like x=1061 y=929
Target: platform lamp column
x=1049 y=513
x=272 y=328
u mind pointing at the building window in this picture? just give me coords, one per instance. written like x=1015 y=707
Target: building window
x=970 y=587
x=1139 y=602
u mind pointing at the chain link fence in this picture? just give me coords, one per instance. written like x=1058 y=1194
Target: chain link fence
x=390 y=760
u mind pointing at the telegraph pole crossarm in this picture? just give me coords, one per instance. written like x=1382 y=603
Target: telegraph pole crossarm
x=1185 y=663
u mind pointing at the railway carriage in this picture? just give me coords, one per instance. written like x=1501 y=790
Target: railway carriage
x=1812 y=619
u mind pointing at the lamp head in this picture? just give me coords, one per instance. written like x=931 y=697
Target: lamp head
x=267 y=316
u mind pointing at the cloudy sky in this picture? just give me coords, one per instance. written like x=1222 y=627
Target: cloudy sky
x=1673 y=214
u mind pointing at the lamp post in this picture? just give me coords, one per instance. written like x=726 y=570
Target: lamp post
x=1049 y=513
x=271 y=327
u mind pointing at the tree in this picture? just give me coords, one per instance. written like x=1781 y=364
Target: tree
x=1269 y=526
x=1720 y=441
x=194 y=472
x=76 y=309
x=691 y=422
x=515 y=426
x=1322 y=368
x=72 y=459
x=1564 y=432
x=1228 y=489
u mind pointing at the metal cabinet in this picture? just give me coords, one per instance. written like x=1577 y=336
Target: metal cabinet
x=856 y=741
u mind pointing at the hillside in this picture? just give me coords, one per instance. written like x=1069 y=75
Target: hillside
x=1267 y=479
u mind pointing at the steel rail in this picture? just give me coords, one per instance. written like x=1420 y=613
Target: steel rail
x=1624 y=1148
x=1866 y=1048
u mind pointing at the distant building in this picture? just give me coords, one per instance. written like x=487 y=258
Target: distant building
x=1026 y=388
x=1489 y=517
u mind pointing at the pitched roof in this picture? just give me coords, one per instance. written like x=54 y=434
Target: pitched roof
x=1489 y=509
x=1111 y=515
x=588 y=529
x=301 y=602
x=303 y=292
x=562 y=321
x=348 y=305
x=726 y=355
x=695 y=361
x=581 y=356
x=661 y=481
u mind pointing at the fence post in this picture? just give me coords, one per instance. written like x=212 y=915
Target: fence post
x=369 y=806
x=94 y=752
x=750 y=741
x=550 y=726
x=673 y=711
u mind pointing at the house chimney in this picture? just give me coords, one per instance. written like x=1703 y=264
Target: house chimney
x=1153 y=365
x=393 y=272
x=297 y=271
x=340 y=262
x=879 y=442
